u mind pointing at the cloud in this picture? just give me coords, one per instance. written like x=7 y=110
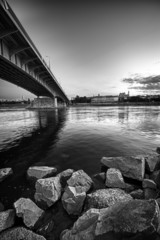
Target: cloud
x=143 y=83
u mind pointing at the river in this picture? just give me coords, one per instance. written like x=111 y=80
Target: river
x=77 y=137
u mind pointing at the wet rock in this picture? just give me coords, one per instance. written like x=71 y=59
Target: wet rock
x=151 y=162
x=126 y=218
x=148 y=183
x=103 y=198
x=73 y=200
x=4 y=173
x=136 y=216
x=137 y=194
x=80 y=178
x=29 y=211
x=150 y=193
x=114 y=178
x=130 y=167
x=7 y=219
x=100 y=176
x=155 y=176
x=83 y=228
x=1 y=207
x=37 y=172
x=48 y=191
x=64 y=176
x=20 y=233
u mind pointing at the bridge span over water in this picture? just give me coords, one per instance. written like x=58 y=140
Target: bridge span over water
x=20 y=61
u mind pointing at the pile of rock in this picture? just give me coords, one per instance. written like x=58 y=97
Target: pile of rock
x=126 y=207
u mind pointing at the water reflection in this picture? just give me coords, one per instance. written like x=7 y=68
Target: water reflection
x=78 y=136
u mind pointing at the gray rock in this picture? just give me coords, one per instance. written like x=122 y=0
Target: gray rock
x=131 y=217
x=48 y=191
x=20 y=233
x=155 y=176
x=137 y=194
x=100 y=176
x=80 y=178
x=114 y=178
x=29 y=211
x=64 y=176
x=151 y=162
x=7 y=219
x=136 y=216
x=148 y=183
x=158 y=201
x=150 y=193
x=37 y=172
x=131 y=167
x=103 y=198
x=4 y=173
x=84 y=227
x=73 y=200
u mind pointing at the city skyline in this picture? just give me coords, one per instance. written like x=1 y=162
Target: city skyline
x=96 y=47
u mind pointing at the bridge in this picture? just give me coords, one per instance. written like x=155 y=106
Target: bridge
x=21 y=63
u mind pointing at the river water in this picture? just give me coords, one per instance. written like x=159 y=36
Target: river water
x=77 y=137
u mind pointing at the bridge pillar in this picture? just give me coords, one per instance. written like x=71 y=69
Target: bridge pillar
x=55 y=102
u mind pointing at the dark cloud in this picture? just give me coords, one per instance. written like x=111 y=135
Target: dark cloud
x=144 y=83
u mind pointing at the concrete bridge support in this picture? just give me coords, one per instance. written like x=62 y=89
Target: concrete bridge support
x=46 y=103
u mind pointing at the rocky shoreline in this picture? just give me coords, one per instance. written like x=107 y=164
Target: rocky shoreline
x=119 y=203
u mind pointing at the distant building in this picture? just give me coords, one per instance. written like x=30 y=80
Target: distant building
x=104 y=99
x=123 y=97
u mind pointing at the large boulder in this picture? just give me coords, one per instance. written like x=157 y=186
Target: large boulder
x=103 y=198
x=136 y=216
x=80 y=178
x=37 y=172
x=114 y=178
x=7 y=219
x=29 y=211
x=4 y=173
x=124 y=218
x=48 y=191
x=84 y=227
x=20 y=233
x=73 y=200
x=130 y=167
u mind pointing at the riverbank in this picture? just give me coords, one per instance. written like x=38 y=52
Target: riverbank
x=120 y=202
x=118 y=104
x=13 y=106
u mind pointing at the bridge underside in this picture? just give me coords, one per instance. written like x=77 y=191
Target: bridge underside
x=20 y=61
x=13 y=75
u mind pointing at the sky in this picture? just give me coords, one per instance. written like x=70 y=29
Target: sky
x=94 y=46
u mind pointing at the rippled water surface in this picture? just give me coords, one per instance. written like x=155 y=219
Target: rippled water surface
x=76 y=137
